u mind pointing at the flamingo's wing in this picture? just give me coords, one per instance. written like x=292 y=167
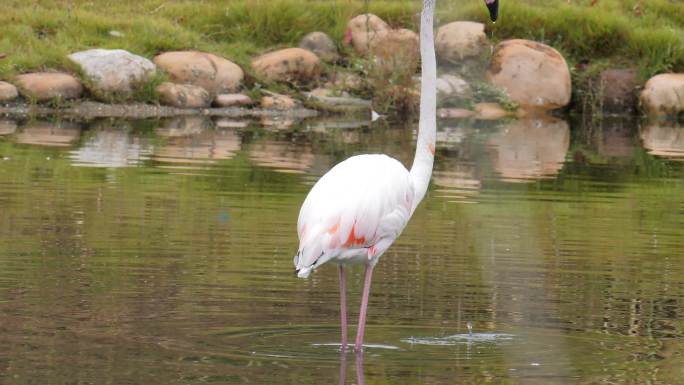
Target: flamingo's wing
x=360 y=206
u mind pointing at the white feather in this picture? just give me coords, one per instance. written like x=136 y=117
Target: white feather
x=369 y=194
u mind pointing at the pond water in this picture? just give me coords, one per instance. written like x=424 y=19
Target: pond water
x=160 y=252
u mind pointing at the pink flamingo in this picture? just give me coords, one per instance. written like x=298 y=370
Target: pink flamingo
x=359 y=207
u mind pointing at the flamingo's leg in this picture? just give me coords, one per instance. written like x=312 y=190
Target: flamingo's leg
x=364 y=305
x=343 y=308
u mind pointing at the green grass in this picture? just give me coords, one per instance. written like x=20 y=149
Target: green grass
x=649 y=36
x=39 y=34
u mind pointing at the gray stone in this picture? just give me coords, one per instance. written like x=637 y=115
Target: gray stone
x=322 y=45
x=114 y=72
x=452 y=86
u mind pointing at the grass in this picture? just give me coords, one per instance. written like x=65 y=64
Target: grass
x=39 y=34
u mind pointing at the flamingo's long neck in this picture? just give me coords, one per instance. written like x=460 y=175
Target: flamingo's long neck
x=427 y=126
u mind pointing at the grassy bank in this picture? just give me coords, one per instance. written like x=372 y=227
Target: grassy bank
x=39 y=34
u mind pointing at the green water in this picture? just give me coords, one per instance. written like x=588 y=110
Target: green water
x=161 y=253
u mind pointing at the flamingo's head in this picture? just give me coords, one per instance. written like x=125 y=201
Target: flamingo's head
x=493 y=6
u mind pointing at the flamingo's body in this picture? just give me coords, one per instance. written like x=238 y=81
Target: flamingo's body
x=358 y=208
x=354 y=212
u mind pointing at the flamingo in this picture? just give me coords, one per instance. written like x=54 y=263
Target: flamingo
x=357 y=209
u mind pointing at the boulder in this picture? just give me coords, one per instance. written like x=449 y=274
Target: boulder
x=213 y=73
x=322 y=45
x=288 y=65
x=113 y=73
x=663 y=95
x=278 y=102
x=362 y=30
x=8 y=92
x=617 y=90
x=233 y=100
x=397 y=49
x=45 y=86
x=459 y=40
x=183 y=95
x=517 y=67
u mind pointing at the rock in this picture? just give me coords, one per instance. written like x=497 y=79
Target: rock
x=114 y=72
x=278 y=102
x=45 y=86
x=452 y=86
x=459 y=40
x=213 y=73
x=288 y=65
x=518 y=65
x=8 y=92
x=233 y=100
x=490 y=111
x=663 y=95
x=530 y=148
x=183 y=95
x=7 y=126
x=322 y=45
x=617 y=90
x=454 y=113
x=362 y=30
x=397 y=49
x=664 y=139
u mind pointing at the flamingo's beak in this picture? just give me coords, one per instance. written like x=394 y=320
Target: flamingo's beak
x=493 y=6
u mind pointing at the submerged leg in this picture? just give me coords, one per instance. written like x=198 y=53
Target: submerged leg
x=364 y=305
x=343 y=367
x=359 y=368
x=343 y=308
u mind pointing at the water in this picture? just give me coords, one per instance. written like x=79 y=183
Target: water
x=161 y=253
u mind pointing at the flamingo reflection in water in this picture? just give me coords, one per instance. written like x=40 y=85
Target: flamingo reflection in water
x=356 y=210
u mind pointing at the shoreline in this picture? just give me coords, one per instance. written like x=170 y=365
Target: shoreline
x=92 y=110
